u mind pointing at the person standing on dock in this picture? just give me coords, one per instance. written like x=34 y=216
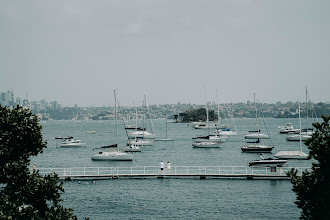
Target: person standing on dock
x=34 y=169
x=168 y=166
x=161 y=167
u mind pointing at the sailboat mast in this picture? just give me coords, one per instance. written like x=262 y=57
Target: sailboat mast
x=306 y=111
x=166 y=125
x=254 y=95
x=207 y=116
x=219 y=120
x=299 y=127
x=114 y=92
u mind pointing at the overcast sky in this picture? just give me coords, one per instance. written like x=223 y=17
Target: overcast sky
x=78 y=52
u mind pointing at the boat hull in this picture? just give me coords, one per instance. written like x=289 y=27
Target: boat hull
x=256 y=136
x=265 y=163
x=256 y=149
x=109 y=156
x=298 y=155
x=207 y=144
x=297 y=137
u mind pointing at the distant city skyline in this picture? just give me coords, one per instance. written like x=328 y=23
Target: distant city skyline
x=78 y=52
x=8 y=97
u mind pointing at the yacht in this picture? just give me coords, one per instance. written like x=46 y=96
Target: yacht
x=268 y=162
x=288 y=128
x=226 y=132
x=140 y=134
x=206 y=144
x=294 y=154
x=111 y=152
x=70 y=142
x=298 y=137
x=256 y=147
x=256 y=136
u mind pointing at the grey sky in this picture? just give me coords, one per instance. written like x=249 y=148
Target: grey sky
x=78 y=52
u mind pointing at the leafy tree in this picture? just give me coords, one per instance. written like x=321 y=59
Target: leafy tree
x=313 y=188
x=26 y=195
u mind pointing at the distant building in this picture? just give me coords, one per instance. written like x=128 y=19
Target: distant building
x=18 y=101
x=44 y=104
x=54 y=105
x=25 y=103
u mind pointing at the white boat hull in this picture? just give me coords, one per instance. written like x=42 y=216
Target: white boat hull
x=165 y=139
x=113 y=156
x=256 y=148
x=297 y=137
x=227 y=133
x=142 y=142
x=133 y=148
x=140 y=134
x=299 y=155
x=206 y=144
x=267 y=163
x=256 y=136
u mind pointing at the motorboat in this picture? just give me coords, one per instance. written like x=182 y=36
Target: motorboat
x=268 y=162
x=288 y=129
x=256 y=147
x=90 y=132
x=70 y=142
x=287 y=126
x=226 y=132
x=206 y=144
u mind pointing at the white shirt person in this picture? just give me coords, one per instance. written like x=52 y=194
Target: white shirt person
x=168 y=165
x=161 y=165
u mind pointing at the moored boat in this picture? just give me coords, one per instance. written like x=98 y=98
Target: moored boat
x=268 y=162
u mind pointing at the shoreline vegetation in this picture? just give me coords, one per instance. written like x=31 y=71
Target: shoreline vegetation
x=192 y=112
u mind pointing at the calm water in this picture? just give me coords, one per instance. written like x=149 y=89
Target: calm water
x=171 y=198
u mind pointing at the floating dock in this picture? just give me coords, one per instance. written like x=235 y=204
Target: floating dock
x=176 y=172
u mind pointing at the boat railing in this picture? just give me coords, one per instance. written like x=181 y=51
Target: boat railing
x=175 y=170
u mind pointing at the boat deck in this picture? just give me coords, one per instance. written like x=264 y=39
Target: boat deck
x=176 y=172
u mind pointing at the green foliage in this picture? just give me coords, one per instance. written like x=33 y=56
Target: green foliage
x=198 y=115
x=313 y=188
x=26 y=195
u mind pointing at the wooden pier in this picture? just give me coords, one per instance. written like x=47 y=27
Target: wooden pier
x=201 y=172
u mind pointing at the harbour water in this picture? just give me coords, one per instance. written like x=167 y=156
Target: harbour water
x=189 y=198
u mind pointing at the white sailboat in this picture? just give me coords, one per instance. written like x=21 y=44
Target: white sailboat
x=300 y=155
x=166 y=138
x=132 y=144
x=209 y=141
x=303 y=134
x=256 y=147
x=112 y=155
x=256 y=134
x=227 y=131
x=143 y=133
